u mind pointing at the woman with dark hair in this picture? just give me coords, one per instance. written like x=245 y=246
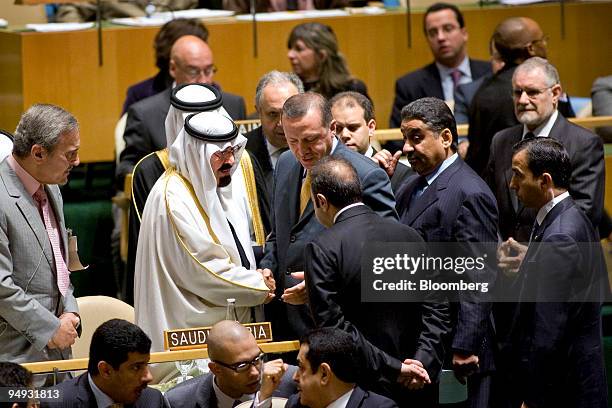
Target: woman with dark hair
x=314 y=57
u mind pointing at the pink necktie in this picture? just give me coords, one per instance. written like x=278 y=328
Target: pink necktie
x=63 y=276
x=456 y=75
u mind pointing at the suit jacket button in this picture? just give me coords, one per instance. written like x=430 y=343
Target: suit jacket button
x=292 y=238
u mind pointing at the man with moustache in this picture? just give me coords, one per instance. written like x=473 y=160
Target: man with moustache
x=355 y=126
x=308 y=126
x=194 y=250
x=38 y=312
x=267 y=142
x=449 y=202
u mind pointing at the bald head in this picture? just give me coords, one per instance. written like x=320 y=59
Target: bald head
x=191 y=61
x=225 y=336
x=519 y=38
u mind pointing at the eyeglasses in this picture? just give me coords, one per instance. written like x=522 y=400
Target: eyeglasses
x=531 y=93
x=245 y=365
x=224 y=155
x=192 y=72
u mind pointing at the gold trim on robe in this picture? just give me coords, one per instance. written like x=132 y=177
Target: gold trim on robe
x=251 y=187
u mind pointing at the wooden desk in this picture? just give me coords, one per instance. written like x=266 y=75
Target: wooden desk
x=62 y=68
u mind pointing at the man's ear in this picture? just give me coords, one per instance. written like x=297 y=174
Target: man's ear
x=105 y=369
x=447 y=138
x=546 y=181
x=38 y=152
x=320 y=201
x=172 y=69
x=213 y=367
x=332 y=127
x=557 y=91
x=371 y=127
x=325 y=374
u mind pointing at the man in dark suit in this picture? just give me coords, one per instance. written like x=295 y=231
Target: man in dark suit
x=355 y=125
x=557 y=345
x=328 y=372
x=308 y=126
x=449 y=202
x=491 y=110
x=333 y=279
x=537 y=89
x=236 y=367
x=267 y=142
x=117 y=373
x=191 y=61
x=447 y=36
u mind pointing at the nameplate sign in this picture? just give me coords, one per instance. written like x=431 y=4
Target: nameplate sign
x=195 y=338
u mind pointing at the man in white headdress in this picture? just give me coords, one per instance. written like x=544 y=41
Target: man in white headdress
x=184 y=100
x=194 y=250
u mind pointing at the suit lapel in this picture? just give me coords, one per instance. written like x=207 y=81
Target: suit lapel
x=293 y=192
x=433 y=87
x=356 y=399
x=59 y=217
x=432 y=194
x=28 y=209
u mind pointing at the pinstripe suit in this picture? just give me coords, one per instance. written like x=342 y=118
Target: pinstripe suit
x=459 y=207
x=30 y=301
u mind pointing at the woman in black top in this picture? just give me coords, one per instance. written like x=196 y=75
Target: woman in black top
x=314 y=57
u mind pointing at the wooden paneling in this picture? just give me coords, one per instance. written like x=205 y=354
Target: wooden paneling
x=62 y=68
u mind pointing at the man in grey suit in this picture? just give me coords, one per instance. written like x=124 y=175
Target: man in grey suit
x=308 y=125
x=191 y=61
x=38 y=312
x=236 y=368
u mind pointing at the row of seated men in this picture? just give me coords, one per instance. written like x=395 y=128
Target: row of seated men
x=327 y=375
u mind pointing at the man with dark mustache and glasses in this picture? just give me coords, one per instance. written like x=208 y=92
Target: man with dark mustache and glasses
x=194 y=249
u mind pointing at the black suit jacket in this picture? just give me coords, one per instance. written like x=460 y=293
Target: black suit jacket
x=385 y=334
x=425 y=82
x=291 y=231
x=492 y=110
x=145 y=127
x=559 y=357
x=586 y=184
x=199 y=392
x=459 y=207
x=359 y=399
x=257 y=145
x=77 y=393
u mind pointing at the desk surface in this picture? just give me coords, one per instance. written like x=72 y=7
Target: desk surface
x=62 y=68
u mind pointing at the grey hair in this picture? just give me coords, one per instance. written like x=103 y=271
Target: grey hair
x=533 y=63
x=42 y=124
x=276 y=78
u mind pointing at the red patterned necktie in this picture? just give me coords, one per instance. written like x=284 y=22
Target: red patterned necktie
x=63 y=276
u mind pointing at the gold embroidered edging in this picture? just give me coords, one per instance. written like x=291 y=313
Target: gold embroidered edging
x=251 y=187
x=169 y=174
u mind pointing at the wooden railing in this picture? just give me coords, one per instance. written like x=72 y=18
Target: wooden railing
x=591 y=122
x=159 y=357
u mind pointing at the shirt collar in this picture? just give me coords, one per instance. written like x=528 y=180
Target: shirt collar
x=224 y=400
x=546 y=208
x=464 y=68
x=544 y=129
x=102 y=400
x=30 y=183
x=343 y=400
x=346 y=208
x=431 y=177
x=370 y=152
